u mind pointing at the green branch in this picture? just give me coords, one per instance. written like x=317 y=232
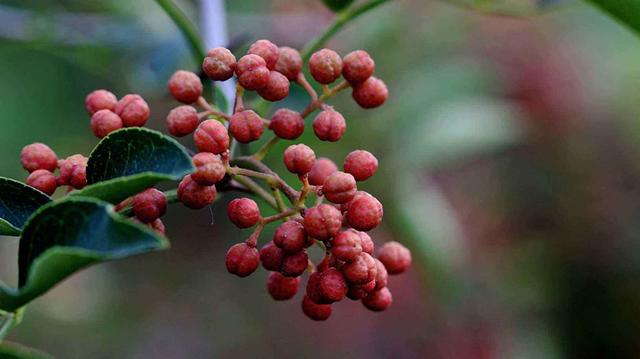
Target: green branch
x=186 y=27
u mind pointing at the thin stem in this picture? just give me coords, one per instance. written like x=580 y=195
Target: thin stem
x=340 y=21
x=262 y=152
x=302 y=81
x=279 y=201
x=246 y=161
x=303 y=193
x=185 y=26
x=314 y=105
x=238 y=103
x=281 y=215
x=257 y=190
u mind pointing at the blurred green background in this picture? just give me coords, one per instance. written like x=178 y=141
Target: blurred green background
x=509 y=165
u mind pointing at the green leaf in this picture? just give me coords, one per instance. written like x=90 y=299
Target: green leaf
x=17 y=202
x=221 y=100
x=516 y=8
x=625 y=11
x=130 y=160
x=9 y=350
x=65 y=236
x=337 y=5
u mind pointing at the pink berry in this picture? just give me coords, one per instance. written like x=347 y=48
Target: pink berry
x=332 y=285
x=252 y=72
x=267 y=50
x=357 y=66
x=211 y=136
x=38 y=156
x=289 y=63
x=346 y=246
x=103 y=122
x=395 y=257
x=42 y=180
x=299 y=159
x=329 y=125
x=149 y=205
x=133 y=110
x=219 y=64
x=246 y=126
x=314 y=311
x=381 y=275
x=291 y=237
x=370 y=93
x=361 y=164
x=339 y=187
x=157 y=226
x=322 y=222
x=271 y=257
x=185 y=86
x=362 y=270
x=325 y=66
x=379 y=300
x=209 y=169
x=243 y=212
x=182 y=120
x=294 y=265
x=287 y=124
x=321 y=169
x=365 y=212
x=100 y=100
x=242 y=259
x=194 y=195
x=276 y=89
x=281 y=287
x=73 y=171
x=359 y=291
x=367 y=244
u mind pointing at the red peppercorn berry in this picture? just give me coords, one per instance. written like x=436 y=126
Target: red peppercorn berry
x=378 y=300
x=329 y=125
x=103 y=122
x=209 y=169
x=325 y=66
x=346 y=246
x=289 y=63
x=242 y=259
x=277 y=87
x=38 y=156
x=364 y=212
x=194 y=195
x=290 y=236
x=322 y=222
x=317 y=312
x=243 y=212
x=321 y=169
x=219 y=64
x=357 y=66
x=361 y=164
x=252 y=72
x=281 y=287
x=246 y=126
x=339 y=187
x=100 y=100
x=73 y=171
x=370 y=93
x=271 y=257
x=133 y=110
x=299 y=159
x=395 y=257
x=287 y=124
x=267 y=50
x=185 y=86
x=211 y=136
x=182 y=120
x=42 y=180
x=149 y=205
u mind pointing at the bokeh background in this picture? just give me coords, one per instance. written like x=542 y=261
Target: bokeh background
x=509 y=165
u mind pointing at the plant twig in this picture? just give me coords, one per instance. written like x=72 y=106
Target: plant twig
x=186 y=27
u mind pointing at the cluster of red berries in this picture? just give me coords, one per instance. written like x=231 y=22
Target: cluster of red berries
x=349 y=268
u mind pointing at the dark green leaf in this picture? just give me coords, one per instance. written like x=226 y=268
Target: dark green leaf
x=132 y=159
x=9 y=350
x=625 y=11
x=66 y=236
x=337 y=5
x=17 y=202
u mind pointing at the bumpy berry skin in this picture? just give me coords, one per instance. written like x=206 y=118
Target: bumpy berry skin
x=322 y=222
x=361 y=164
x=317 y=312
x=379 y=300
x=360 y=271
x=289 y=63
x=185 y=86
x=381 y=275
x=149 y=205
x=246 y=126
x=133 y=110
x=43 y=180
x=267 y=50
x=100 y=100
x=365 y=240
x=209 y=169
x=290 y=236
x=277 y=87
x=287 y=124
x=219 y=64
x=103 y=122
x=157 y=226
x=339 y=187
x=242 y=259
x=329 y=125
x=73 y=171
x=38 y=156
x=195 y=196
x=182 y=120
x=271 y=257
x=346 y=246
x=252 y=72
x=243 y=212
x=211 y=136
x=321 y=169
x=294 y=265
x=370 y=93
x=365 y=212
x=325 y=66
x=395 y=257
x=281 y=287
x=359 y=291
x=299 y=159
x=357 y=66
x=332 y=286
